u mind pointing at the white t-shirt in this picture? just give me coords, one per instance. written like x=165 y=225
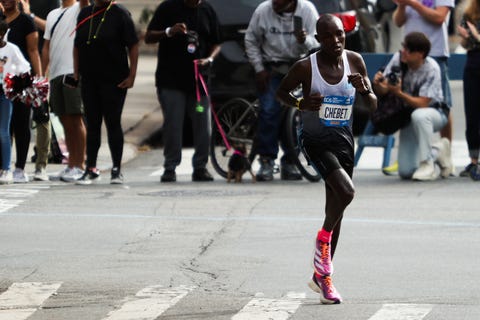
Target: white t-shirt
x=61 y=42
x=12 y=61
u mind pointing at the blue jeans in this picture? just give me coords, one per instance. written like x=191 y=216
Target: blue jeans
x=415 y=145
x=270 y=120
x=447 y=93
x=5 y=140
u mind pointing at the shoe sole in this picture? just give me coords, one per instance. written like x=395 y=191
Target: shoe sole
x=41 y=179
x=312 y=285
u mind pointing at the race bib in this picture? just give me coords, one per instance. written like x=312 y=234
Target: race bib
x=336 y=111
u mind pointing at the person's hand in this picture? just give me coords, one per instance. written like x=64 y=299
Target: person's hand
x=396 y=89
x=301 y=36
x=462 y=32
x=2 y=9
x=262 y=78
x=312 y=103
x=358 y=82
x=474 y=30
x=178 y=28
x=402 y=3
x=26 y=6
x=203 y=62
x=127 y=83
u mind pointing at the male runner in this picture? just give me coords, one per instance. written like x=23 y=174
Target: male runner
x=330 y=78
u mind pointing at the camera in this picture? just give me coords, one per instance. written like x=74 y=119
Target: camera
x=192 y=37
x=394 y=75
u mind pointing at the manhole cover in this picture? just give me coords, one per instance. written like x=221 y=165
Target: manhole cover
x=202 y=193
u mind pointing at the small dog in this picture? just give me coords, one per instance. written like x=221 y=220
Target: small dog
x=239 y=164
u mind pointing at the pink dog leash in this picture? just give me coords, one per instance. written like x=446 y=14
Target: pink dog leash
x=199 y=77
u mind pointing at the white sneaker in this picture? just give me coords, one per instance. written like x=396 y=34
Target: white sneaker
x=444 y=158
x=72 y=174
x=425 y=172
x=19 y=176
x=40 y=175
x=6 y=177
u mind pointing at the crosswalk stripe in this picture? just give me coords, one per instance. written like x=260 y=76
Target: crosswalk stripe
x=150 y=302
x=402 y=312
x=21 y=300
x=271 y=309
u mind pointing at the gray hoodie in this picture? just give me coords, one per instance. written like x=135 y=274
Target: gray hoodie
x=270 y=38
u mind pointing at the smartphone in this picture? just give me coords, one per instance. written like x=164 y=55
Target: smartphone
x=297 y=23
x=69 y=81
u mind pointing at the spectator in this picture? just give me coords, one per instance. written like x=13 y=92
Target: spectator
x=11 y=61
x=329 y=78
x=431 y=17
x=66 y=102
x=272 y=44
x=469 y=31
x=421 y=88
x=43 y=129
x=105 y=58
x=24 y=34
x=186 y=30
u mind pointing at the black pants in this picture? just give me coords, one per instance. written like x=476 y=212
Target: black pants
x=103 y=101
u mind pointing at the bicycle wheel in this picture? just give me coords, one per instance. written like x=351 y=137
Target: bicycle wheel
x=293 y=127
x=238 y=119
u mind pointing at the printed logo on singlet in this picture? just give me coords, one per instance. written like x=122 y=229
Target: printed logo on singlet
x=336 y=111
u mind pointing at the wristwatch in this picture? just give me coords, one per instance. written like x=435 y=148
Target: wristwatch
x=32 y=15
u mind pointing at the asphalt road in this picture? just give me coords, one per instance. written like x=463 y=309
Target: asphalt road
x=188 y=250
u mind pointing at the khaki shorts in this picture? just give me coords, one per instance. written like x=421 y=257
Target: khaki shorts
x=64 y=100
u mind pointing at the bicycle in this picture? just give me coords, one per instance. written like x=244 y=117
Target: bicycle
x=238 y=120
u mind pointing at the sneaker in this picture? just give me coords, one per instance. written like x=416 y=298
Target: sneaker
x=265 y=173
x=322 y=260
x=444 y=158
x=116 y=176
x=40 y=175
x=391 y=170
x=201 y=174
x=290 y=172
x=88 y=177
x=467 y=170
x=475 y=173
x=6 y=177
x=71 y=174
x=425 y=172
x=324 y=286
x=19 y=176
x=168 y=175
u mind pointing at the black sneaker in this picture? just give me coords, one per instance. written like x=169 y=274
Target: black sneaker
x=168 y=175
x=201 y=175
x=116 y=176
x=468 y=169
x=89 y=176
x=265 y=173
x=290 y=172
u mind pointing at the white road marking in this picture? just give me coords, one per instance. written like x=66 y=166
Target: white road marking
x=21 y=300
x=13 y=197
x=149 y=303
x=402 y=312
x=271 y=309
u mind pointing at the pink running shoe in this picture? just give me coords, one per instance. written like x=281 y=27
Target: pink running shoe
x=322 y=261
x=324 y=286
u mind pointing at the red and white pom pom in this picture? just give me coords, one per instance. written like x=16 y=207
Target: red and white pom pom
x=26 y=89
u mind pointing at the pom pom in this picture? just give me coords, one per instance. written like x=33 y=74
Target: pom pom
x=26 y=89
